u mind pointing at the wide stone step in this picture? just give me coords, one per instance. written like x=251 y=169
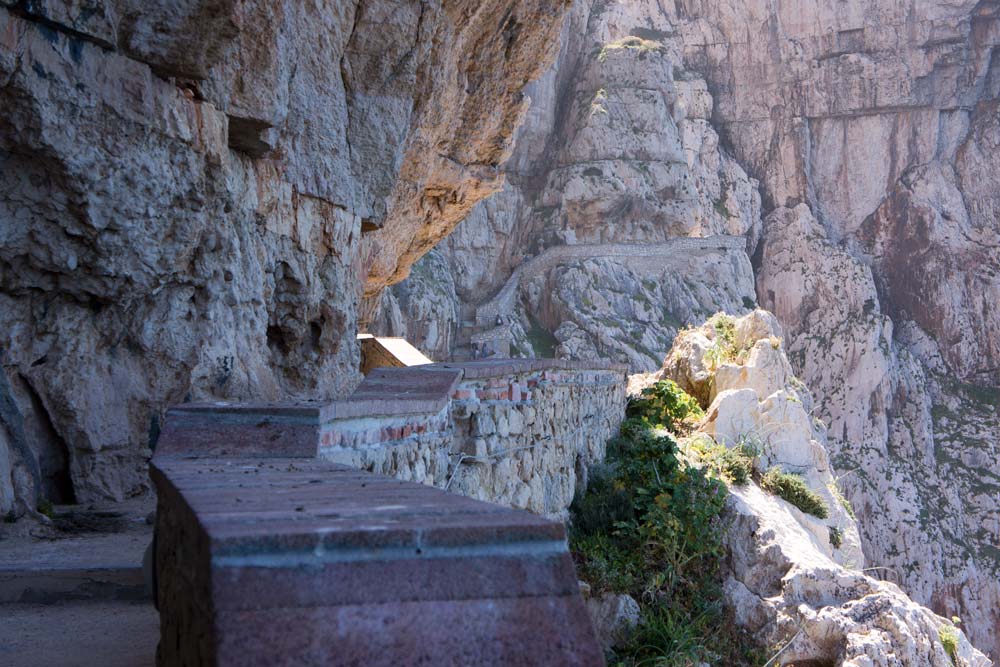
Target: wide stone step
x=299 y=561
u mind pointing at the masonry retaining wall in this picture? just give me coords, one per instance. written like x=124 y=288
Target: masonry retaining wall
x=520 y=433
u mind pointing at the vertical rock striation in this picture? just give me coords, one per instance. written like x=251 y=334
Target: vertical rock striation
x=872 y=127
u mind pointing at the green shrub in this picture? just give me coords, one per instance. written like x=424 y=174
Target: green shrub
x=836 y=537
x=724 y=349
x=734 y=464
x=666 y=405
x=648 y=525
x=793 y=489
x=542 y=341
x=45 y=507
x=948 y=636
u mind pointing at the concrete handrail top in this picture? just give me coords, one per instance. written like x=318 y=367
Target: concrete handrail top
x=290 y=409
x=254 y=507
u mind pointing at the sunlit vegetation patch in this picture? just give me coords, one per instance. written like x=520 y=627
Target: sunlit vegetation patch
x=649 y=526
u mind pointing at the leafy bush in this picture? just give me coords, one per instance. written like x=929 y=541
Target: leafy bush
x=666 y=405
x=793 y=489
x=648 y=526
x=836 y=537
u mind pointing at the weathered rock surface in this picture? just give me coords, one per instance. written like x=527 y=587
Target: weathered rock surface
x=198 y=198
x=793 y=579
x=872 y=127
x=617 y=158
x=614 y=616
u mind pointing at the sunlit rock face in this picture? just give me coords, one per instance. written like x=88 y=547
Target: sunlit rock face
x=869 y=131
x=198 y=198
x=792 y=578
x=617 y=158
x=872 y=127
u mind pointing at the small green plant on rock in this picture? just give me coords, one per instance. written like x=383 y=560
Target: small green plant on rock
x=948 y=636
x=668 y=406
x=793 y=489
x=836 y=537
x=641 y=46
x=724 y=349
x=45 y=507
x=844 y=502
x=649 y=526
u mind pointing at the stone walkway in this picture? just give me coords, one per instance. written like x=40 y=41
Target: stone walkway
x=74 y=594
x=655 y=256
x=79 y=634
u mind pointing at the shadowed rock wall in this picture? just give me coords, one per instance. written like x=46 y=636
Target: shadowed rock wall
x=197 y=197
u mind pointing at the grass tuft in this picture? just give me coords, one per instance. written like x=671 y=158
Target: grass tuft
x=793 y=489
x=648 y=525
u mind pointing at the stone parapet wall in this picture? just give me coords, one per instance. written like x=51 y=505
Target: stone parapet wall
x=306 y=562
x=525 y=440
x=519 y=434
x=516 y=432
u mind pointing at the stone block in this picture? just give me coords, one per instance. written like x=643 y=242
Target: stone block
x=299 y=561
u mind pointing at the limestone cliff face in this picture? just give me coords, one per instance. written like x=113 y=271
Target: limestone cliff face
x=198 y=198
x=869 y=130
x=795 y=579
x=617 y=159
x=872 y=127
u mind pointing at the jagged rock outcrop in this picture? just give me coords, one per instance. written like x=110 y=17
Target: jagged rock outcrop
x=197 y=199
x=795 y=580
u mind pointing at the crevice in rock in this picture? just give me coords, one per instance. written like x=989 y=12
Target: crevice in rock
x=251 y=136
x=53 y=463
x=23 y=10
x=12 y=419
